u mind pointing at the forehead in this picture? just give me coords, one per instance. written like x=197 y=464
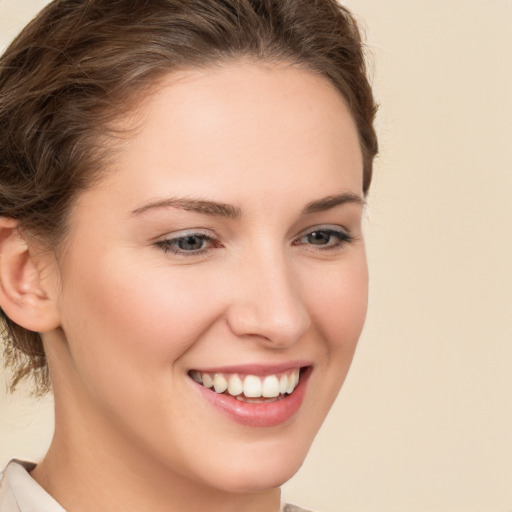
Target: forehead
x=267 y=113
x=237 y=128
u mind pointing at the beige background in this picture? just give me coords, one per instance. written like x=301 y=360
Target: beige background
x=424 y=422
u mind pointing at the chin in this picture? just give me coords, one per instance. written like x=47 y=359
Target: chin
x=256 y=480
x=260 y=472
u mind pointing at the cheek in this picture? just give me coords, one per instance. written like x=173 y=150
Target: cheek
x=121 y=321
x=339 y=303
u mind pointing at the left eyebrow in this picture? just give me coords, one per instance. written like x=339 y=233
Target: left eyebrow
x=329 y=202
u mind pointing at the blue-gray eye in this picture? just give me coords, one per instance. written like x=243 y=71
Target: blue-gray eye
x=328 y=238
x=191 y=243
x=319 y=237
x=187 y=245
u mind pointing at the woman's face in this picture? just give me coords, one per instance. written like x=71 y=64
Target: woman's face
x=223 y=245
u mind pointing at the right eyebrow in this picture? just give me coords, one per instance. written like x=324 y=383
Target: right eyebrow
x=326 y=203
x=196 y=205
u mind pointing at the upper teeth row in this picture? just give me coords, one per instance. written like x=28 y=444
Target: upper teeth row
x=251 y=386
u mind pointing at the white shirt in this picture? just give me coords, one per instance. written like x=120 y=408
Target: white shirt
x=19 y=492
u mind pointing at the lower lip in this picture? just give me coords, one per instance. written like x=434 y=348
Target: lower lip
x=266 y=414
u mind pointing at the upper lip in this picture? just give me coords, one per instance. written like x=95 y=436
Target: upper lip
x=255 y=369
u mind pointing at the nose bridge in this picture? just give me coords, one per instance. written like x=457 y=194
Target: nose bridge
x=268 y=302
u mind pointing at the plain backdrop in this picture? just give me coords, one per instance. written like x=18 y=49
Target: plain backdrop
x=424 y=421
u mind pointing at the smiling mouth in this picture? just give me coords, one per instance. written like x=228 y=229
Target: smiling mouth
x=250 y=388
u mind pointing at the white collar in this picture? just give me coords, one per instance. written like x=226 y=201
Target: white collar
x=19 y=492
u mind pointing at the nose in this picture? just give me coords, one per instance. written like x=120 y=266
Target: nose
x=266 y=303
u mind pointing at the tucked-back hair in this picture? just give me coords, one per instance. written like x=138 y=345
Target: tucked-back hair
x=73 y=70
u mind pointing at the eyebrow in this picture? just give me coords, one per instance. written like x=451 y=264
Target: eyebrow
x=329 y=202
x=196 y=205
x=216 y=209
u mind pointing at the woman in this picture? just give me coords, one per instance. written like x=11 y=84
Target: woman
x=182 y=185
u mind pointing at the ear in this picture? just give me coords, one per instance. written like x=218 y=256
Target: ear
x=25 y=294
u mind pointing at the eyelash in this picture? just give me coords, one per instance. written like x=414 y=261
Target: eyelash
x=172 y=244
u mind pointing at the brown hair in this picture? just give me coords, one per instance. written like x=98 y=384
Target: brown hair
x=71 y=70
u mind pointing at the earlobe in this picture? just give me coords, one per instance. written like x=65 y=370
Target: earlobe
x=23 y=294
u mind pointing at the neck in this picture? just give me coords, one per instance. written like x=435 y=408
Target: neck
x=88 y=479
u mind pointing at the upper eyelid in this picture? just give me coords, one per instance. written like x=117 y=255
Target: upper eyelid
x=324 y=227
x=187 y=232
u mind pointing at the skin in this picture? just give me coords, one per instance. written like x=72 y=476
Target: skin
x=132 y=432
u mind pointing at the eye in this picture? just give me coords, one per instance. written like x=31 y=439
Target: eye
x=325 y=238
x=188 y=244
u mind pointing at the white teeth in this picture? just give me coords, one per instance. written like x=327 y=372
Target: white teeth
x=252 y=386
x=220 y=383
x=292 y=381
x=270 y=387
x=235 y=386
x=283 y=384
x=207 y=381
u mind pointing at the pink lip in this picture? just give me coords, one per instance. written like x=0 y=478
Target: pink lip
x=260 y=414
